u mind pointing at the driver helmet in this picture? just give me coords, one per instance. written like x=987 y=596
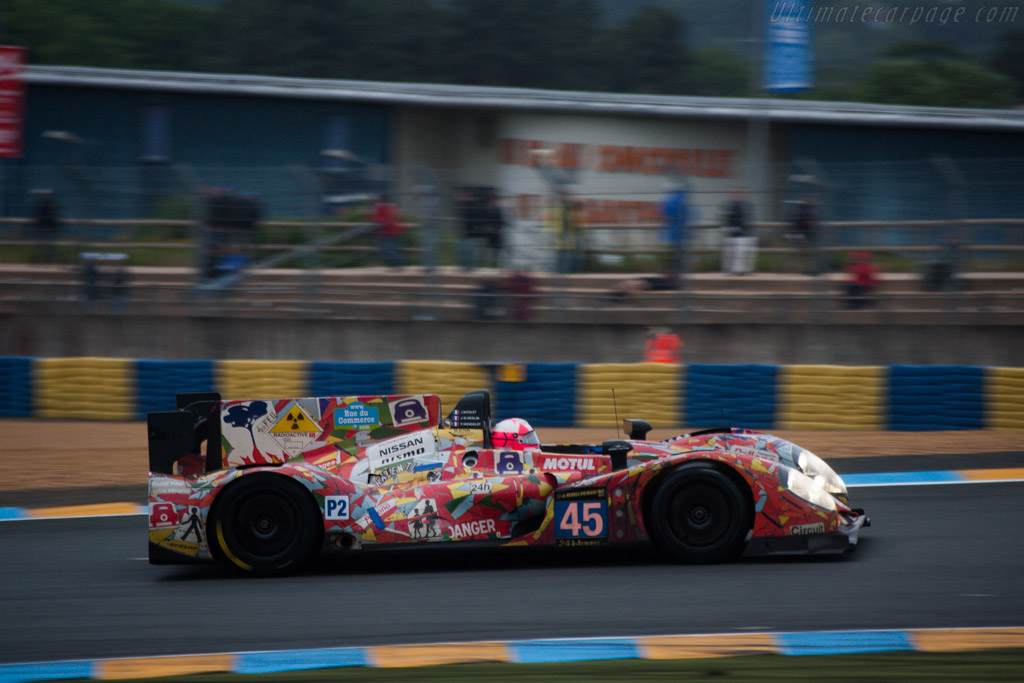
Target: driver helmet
x=514 y=433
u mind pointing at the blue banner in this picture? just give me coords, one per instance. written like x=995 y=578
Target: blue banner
x=787 y=54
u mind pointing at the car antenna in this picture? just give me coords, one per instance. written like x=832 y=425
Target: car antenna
x=616 y=406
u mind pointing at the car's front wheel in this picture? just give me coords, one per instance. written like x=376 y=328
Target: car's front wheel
x=265 y=524
x=699 y=514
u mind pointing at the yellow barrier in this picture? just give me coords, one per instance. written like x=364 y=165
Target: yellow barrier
x=702 y=647
x=831 y=397
x=448 y=379
x=153 y=667
x=387 y=656
x=1004 y=398
x=967 y=639
x=649 y=391
x=84 y=388
x=249 y=379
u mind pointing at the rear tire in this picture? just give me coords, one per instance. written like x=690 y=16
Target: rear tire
x=699 y=515
x=266 y=525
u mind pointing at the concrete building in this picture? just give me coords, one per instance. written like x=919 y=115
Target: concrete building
x=120 y=140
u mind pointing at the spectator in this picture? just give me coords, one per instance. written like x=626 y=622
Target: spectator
x=493 y=227
x=428 y=205
x=520 y=290
x=216 y=242
x=470 y=205
x=46 y=221
x=249 y=215
x=489 y=303
x=942 y=272
x=675 y=212
x=389 y=231
x=804 y=233
x=564 y=221
x=662 y=346
x=739 y=247
x=861 y=279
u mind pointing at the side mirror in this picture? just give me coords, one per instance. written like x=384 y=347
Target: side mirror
x=637 y=429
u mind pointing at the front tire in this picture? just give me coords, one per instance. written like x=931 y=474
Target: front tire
x=265 y=525
x=699 y=515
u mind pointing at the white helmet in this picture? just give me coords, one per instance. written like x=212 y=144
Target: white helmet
x=514 y=433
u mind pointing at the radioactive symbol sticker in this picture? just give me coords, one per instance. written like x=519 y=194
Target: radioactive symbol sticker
x=293 y=421
x=295 y=429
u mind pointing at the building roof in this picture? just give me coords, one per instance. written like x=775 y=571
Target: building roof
x=532 y=100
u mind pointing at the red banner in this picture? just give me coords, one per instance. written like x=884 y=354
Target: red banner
x=12 y=100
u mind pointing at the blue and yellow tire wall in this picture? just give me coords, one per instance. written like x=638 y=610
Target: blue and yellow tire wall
x=897 y=397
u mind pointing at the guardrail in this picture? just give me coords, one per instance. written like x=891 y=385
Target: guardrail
x=449 y=294
x=905 y=236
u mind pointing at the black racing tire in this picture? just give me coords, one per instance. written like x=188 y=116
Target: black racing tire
x=699 y=515
x=265 y=525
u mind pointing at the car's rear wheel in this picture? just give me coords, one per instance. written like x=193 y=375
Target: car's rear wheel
x=266 y=524
x=699 y=514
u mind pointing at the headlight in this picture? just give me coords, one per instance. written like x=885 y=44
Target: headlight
x=818 y=470
x=803 y=486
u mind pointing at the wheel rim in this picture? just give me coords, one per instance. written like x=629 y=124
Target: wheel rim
x=266 y=525
x=701 y=516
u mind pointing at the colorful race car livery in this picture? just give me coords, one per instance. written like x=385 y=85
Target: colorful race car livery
x=264 y=485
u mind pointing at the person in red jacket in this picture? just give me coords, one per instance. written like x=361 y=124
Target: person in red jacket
x=389 y=231
x=861 y=279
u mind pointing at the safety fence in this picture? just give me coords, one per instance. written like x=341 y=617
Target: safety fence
x=898 y=397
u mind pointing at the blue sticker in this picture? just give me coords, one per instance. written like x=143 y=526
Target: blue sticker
x=509 y=462
x=409 y=410
x=581 y=519
x=355 y=415
x=377 y=521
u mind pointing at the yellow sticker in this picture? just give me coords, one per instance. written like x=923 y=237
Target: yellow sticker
x=295 y=420
x=511 y=373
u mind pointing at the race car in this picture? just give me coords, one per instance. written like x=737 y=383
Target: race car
x=264 y=485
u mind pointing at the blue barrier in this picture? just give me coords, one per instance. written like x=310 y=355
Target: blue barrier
x=351 y=379
x=936 y=397
x=545 y=398
x=158 y=381
x=16 y=383
x=737 y=395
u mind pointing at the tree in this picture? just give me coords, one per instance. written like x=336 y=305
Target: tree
x=527 y=43
x=719 y=73
x=645 y=54
x=1008 y=59
x=927 y=50
x=139 y=34
x=934 y=74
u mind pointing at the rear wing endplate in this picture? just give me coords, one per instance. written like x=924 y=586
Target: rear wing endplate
x=174 y=435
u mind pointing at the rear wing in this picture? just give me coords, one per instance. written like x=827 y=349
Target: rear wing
x=175 y=435
x=207 y=433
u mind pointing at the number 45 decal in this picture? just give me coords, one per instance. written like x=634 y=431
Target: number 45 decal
x=581 y=518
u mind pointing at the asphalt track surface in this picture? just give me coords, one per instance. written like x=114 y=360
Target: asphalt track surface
x=936 y=556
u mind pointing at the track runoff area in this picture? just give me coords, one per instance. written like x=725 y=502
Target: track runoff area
x=668 y=647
